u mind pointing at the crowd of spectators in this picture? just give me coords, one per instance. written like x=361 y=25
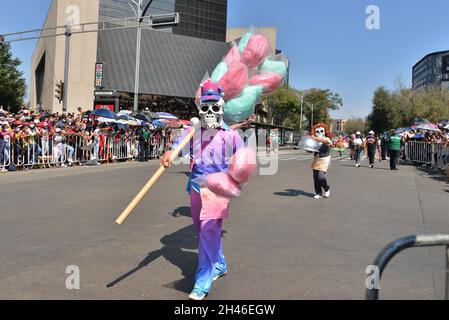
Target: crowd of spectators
x=29 y=138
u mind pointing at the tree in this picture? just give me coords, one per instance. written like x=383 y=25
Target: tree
x=323 y=101
x=354 y=125
x=12 y=82
x=379 y=119
x=284 y=107
x=399 y=108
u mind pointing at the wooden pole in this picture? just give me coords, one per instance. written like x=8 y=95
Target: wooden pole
x=130 y=208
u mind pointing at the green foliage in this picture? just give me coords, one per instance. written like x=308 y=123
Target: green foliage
x=12 y=83
x=285 y=106
x=323 y=101
x=355 y=124
x=398 y=108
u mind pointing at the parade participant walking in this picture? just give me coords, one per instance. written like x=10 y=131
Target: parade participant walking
x=321 y=161
x=208 y=210
x=371 y=146
x=396 y=143
x=358 y=148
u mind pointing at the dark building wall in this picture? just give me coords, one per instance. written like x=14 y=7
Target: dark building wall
x=206 y=19
x=429 y=70
x=171 y=64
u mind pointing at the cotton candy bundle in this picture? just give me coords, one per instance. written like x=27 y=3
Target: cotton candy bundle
x=244 y=41
x=270 y=81
x=276 y=65
x=243 y=165
x=242 y=107
x=234 y=81
x=255 y=51
x=219 y=71
x=223 y=185
x=246 y=73
x=233 y=56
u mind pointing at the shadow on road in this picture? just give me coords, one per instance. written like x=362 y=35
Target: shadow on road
x=182 y=212
x=173 y=249
x=294 y=193
x=436 y=175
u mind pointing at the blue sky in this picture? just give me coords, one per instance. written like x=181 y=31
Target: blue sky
x=326 y=40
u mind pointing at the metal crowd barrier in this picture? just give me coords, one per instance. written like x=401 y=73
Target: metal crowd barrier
x=419 y=152
x=384 y=257
x=44 y=151
x=441 y=155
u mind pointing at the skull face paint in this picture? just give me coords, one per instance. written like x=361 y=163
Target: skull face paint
x=320 y=132
x=211 y=114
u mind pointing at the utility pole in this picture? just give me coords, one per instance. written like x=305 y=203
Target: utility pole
x=138 y=46
x=68 y=35
x=311 y=124
x=140 y=15
x=301 y=99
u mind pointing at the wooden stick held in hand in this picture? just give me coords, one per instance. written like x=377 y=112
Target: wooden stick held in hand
x=130 y=208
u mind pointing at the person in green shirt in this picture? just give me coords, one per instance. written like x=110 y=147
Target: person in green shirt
x=395 y=145
x=144 y=137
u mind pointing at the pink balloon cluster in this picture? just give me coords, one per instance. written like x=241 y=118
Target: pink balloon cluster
x=241 y=169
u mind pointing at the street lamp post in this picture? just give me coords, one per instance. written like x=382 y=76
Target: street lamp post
x=311 y=116
x=301 y=99
x=138 y=46
x=140 y=14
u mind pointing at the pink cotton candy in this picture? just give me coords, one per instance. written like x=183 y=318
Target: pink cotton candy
x=243 y=165
x=269 y=81
x=223 y=185
x=256 y=51
x=234 y=81
x=233 y=56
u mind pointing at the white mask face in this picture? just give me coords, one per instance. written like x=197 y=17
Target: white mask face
x=211 y=114
x=320 y=132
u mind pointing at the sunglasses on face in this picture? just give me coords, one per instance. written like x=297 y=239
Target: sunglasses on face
x=319 y=131
x=215 y=108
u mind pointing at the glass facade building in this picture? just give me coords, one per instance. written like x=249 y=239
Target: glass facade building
x=433 y=69
x=205 y=19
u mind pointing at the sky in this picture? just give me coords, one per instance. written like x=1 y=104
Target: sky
x=326 y=41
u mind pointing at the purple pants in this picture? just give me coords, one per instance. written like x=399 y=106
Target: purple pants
x=211 y=260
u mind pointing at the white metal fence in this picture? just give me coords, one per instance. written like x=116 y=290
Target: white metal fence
x=48 y=151
x=436 y=155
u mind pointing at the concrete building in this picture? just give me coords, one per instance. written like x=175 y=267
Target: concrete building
x=433 y=69
x=338 y=125
x=47 y=66
x=173 y=61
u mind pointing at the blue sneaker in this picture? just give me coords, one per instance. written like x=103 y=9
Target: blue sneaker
x=197 y=295
x=219 y=274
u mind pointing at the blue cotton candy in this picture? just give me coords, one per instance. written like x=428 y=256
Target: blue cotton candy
x=279 y=67
x=244 y=41
x=242 y=107
x=219 y=72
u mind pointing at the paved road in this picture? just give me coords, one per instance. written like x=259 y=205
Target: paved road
x=280 y=242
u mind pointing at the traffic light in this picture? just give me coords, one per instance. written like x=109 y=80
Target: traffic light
x=59 y=91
